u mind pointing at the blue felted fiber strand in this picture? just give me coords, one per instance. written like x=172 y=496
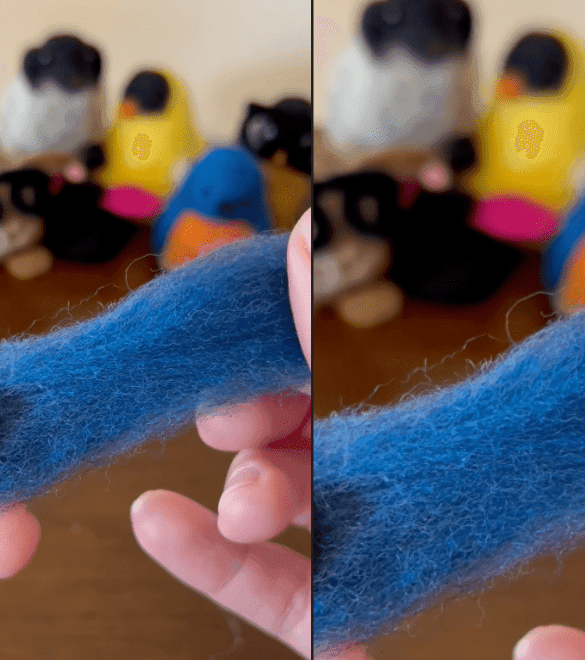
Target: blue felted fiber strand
x=441 y=493
x=217 y=331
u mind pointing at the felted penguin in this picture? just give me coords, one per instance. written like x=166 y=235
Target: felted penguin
x=222 y=199
x=148 y=145
x=402 y=84
x=367 y=235
x=280 y=136
x=55 y=103
x=532 y=139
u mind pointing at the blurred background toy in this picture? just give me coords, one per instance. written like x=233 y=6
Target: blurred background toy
x=55 y=103
x=23 y=205
x=149 y=144
x=563 y=262
x=532 y=139
x=222 y=198
x=402 y=86
x=73 y=226
x=280 y=136
x=369 y=232
x=21 y=231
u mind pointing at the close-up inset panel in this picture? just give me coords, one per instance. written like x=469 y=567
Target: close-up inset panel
x=447 y=276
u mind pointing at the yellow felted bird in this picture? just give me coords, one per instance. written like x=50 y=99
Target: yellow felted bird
x=532 y=136
x=152 y=138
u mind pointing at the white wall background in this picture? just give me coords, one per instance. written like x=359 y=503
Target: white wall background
x=228 y=52
x=497 y=23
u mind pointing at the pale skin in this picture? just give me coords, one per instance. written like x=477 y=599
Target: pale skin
x=229 y=556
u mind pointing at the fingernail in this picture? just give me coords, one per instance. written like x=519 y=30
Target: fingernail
x=138 y=503
x=522 y=648
x=243 y=476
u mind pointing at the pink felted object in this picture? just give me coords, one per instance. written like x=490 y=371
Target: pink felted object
x=515 y=219
x=132 y=203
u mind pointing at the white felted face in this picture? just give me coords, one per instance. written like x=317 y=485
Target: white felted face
x=48 y=119
x=397 y=103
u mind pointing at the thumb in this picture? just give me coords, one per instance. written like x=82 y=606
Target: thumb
x=551 y=643
x=299 y=280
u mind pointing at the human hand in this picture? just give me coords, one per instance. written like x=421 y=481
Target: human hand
x=20 y=532
x=551 y=643
x=228 y=557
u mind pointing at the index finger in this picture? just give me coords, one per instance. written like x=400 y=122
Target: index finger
x=249 y=425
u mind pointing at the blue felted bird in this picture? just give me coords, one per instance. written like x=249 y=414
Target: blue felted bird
x=222 y=199
x=564 y=261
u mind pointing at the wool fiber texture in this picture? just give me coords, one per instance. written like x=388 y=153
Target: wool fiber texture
x=441 y=493
x=215 y=332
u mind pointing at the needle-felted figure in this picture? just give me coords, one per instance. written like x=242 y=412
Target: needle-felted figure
x=74 y=226
x=563 y=262
x=55 y=103
x=532 y=139
x=21 y=252
x=222 y=199
x=366 y=235
x=402 y=83
x=148 y=145
x=280 y=136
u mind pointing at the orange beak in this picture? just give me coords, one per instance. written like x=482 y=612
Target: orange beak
x=509 y=88
x=127 y=110
x=194 y=235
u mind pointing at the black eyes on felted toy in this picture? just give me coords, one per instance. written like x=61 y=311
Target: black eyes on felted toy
x=287 y=127
x=226 y=209
x=366 y=203
x=29 y=190
x=260 y=133
x=64 y=59
x=44 y=57
x=451 y=19
x=429 y=28
x=327 y=214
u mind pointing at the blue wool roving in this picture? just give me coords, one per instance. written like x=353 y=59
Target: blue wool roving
x=441 y=493
x=217 y=331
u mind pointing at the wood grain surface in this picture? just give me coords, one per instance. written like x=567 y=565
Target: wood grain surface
x=90 y=591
